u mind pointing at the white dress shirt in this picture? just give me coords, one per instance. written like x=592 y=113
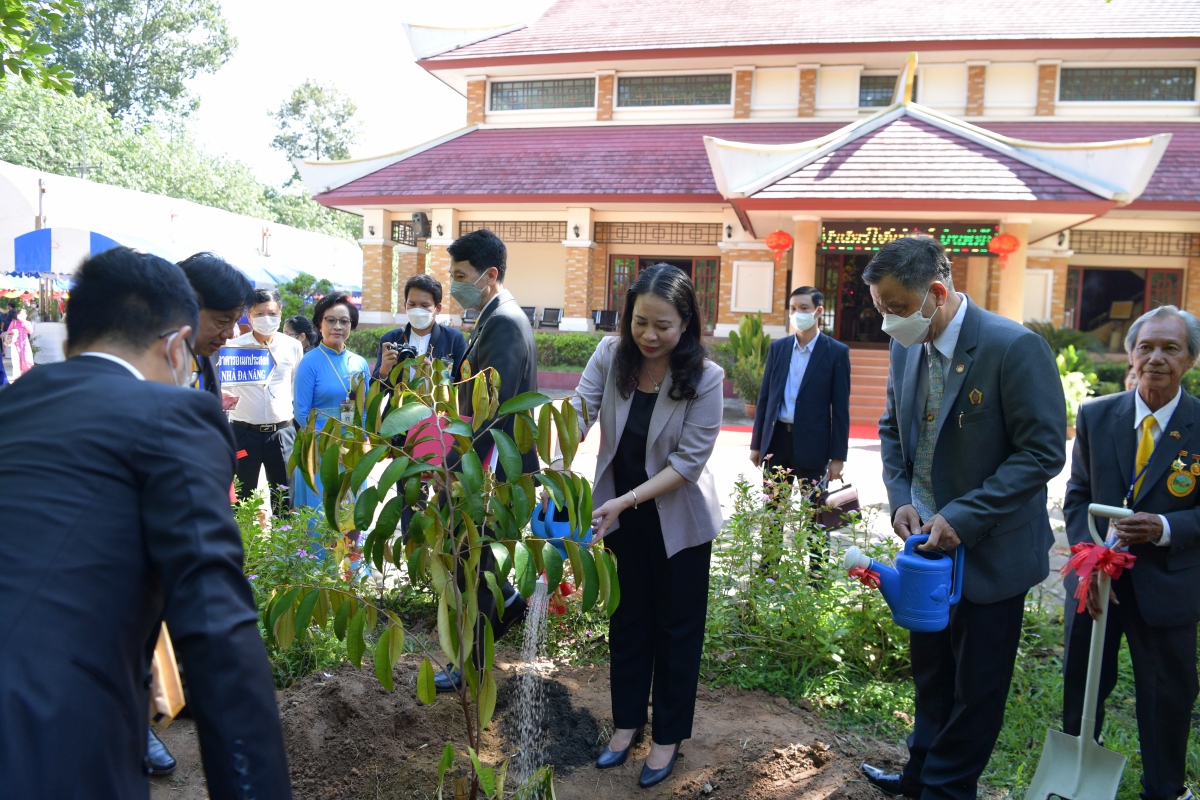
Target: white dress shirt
x=801 y=355
x=1161 y=418
x=944 y=345
x=268 y=403
x=137 y=373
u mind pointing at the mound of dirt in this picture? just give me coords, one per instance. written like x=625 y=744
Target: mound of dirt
x=348 y=738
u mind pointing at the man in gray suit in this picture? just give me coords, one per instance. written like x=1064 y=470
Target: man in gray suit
x=975 y=427
x=1139 y=449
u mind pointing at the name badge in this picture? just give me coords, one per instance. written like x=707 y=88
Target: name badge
x=347 y=412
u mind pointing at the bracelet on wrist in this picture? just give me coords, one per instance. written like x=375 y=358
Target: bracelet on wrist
x=632 y=492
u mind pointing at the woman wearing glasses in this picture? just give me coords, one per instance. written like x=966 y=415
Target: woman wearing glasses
x=325 y=378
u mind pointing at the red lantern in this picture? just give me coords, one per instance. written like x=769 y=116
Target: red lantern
x=1004 y=245
x=779 y=241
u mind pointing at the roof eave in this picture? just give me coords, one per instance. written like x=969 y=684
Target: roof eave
x=325 y=176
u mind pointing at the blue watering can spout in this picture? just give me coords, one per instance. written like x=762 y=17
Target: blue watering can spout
x=922 y=586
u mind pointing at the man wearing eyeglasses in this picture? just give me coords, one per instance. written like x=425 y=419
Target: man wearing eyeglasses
x=225 y=293
x=126 y=507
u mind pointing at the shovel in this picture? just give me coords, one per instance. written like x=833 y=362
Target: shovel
x=1076 y=767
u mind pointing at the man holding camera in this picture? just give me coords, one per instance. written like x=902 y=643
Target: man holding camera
x=422 y=335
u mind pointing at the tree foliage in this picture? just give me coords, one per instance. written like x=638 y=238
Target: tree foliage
x=316 y=122
x=24 y=28
x=137 y=55
x=299 y=291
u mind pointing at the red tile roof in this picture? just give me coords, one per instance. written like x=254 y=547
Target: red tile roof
x=911 y=159
x=601 y=26
x=668 y=163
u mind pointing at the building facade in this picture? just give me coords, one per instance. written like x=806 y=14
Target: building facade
x=602 y=138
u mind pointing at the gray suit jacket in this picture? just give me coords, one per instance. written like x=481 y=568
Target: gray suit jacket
x=1165 y=579
x=682 y=435
x=1001 y=437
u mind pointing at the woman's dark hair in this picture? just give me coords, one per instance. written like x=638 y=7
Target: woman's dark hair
x=219 y=285
x=329 y=301
x=687 y=359
x=303 y=325
x=426 y=283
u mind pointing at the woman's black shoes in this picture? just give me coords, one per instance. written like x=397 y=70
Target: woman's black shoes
x=652 y=777
x=609 y=759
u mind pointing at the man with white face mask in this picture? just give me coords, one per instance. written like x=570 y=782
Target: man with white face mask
x=975 y=427
x=422 y=304
x=262 y=418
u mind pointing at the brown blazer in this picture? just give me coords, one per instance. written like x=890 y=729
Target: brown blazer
x=682 y=435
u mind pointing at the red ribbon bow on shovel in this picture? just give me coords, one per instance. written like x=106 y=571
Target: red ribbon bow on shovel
x=868 y=577
x=1086 y=558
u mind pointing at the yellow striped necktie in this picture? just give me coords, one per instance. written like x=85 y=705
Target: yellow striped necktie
x=1144 y=451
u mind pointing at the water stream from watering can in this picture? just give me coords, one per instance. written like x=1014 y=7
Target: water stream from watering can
x=531 y=691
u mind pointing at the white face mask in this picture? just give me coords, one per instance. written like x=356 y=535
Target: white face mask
x=188 y=375
x=420 y=318
x=803 y=320
x=911 y=329
x=265 y=325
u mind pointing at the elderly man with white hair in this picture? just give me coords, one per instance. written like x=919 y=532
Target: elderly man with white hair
x=1141 y=449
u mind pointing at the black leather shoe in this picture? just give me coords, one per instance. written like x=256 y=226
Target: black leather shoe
x=609 y=758
x=653 y=777
x=446 y=682
x=159 y=760
x=890 y=783
x=513 y=614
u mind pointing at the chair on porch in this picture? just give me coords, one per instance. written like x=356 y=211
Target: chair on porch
x=530 y=314
x=551 y=317
x=469 y=317
x=604 y=320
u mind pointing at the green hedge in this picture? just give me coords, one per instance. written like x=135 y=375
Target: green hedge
x=565 y=349
x=365 y=341
x=1111 y=372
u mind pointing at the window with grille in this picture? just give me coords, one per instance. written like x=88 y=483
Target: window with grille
x=878 y=90
x=528 y=95
x=675 y=90
x=1138 y=84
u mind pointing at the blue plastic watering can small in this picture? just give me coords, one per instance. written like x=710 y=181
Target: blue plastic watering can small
x=545 y=523
x=921 y=588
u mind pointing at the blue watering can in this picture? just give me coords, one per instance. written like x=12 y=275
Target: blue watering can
x=922 y=586
x=546 y=524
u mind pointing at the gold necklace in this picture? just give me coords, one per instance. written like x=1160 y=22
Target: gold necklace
x=657 y=384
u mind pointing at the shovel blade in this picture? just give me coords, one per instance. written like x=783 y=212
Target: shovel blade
x=1076 y=768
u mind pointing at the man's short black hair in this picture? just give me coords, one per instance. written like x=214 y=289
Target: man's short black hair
x=266 y=296
x=129 y=298
x=818 y=299
x=220 y=285
x=426 y=283
x=329 y=301
x=483 y=250
x=13 y=304
x=913 y=261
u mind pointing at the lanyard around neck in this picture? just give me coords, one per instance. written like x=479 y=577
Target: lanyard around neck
x=325 y=350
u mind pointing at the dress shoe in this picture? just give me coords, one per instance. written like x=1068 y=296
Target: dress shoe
x=446 y=682
x=891 y=783
x=609 y=758
x=159 y=760
x=653 y=777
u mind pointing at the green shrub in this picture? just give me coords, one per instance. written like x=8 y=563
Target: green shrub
x=365 y=342
x=1191 y=382
x=725 y=355
x=747 y=378
x=1107 y=387
x=1060 y=339
x=1111 y=372
x=750 y=340
x=565 y=349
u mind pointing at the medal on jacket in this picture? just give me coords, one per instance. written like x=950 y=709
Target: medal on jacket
x=1182 y=482
x=347 y=412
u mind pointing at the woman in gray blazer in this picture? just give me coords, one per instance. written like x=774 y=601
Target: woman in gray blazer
x=659 y=403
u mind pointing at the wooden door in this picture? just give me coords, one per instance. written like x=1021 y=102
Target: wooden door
x=705 y=272
x=621 y=275
x=1071 y=307
x=1163 y=288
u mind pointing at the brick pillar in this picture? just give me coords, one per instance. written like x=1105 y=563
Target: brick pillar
x=804 y=253
x=577 y=308
x=977 y=281
x=604 y=96
x=993 y=285
x=743 y=83
x=1058 y=288
x=976 y=80
x=598 y=298
x=377 y=278
x=1011 y=301
x=439 y=265
x=958 y=272
x=1191 y=300
x=476 y=101
x=808 y=92
x=409 y=262
x=1047 y=89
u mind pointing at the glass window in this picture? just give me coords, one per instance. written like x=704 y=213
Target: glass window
x=675 y=90
x=1145 y=84
x=526 y=95
x=877 y=90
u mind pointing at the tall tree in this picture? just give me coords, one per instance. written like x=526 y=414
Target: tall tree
x=137 y=55
x=24 y=28
x=316 y=122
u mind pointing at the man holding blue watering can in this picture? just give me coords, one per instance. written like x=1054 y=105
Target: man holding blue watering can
x=1140 y=449
x=975 y=427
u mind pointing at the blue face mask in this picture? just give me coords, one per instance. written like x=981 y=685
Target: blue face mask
x=468 y=295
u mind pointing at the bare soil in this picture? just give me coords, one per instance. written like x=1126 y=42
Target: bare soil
x=348 y=738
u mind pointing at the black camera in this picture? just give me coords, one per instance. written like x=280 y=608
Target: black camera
x=404 y=351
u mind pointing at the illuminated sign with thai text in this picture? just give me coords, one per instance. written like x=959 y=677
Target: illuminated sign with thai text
x=860 y=236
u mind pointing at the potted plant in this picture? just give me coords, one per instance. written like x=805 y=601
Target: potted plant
x=750 y=344
x=747 y=380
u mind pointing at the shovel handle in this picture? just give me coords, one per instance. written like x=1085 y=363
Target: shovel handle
x=1111 y=512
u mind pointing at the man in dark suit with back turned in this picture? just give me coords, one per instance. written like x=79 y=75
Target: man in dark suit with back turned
x=1153 y=431
x=127 y=507
x=802 y=417
x=503 y=341
x=975 y=427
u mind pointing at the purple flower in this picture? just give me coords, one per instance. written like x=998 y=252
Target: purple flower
x=252 y=577
x=285 y=527
x=301 y=553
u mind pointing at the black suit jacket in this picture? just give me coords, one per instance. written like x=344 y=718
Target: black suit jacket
x=502 y=340
x=1165 y=579
x=119 y=490
x=821 y=423
x=445 y=343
